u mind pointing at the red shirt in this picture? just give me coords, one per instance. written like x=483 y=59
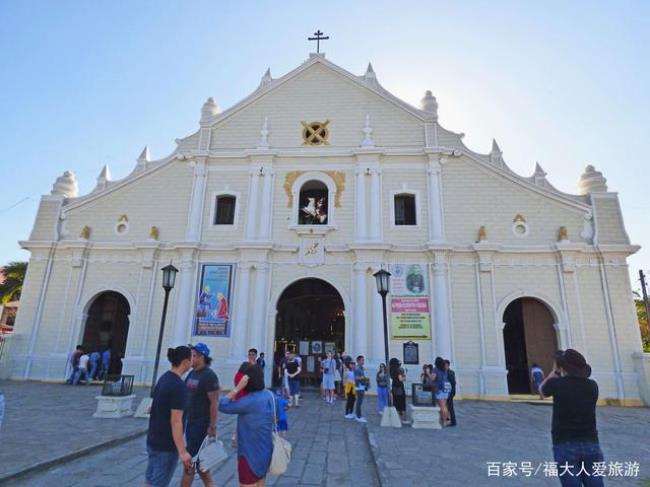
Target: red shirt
x=238 y=376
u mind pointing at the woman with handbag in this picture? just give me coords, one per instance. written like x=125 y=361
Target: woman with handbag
x=255 y=428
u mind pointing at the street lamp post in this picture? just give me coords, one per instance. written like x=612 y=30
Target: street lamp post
x=382 y=278
x=169 y=278
x=390 y=416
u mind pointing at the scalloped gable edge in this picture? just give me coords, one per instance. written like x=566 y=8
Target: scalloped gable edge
x=510 y=175
x=357 y=80
x=157 y=165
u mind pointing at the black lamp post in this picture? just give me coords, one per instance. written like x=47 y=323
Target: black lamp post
x=382 y=278
x=168 y=281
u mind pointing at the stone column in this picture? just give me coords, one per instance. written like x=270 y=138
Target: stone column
x=257 y=334
x=184 y=299
x=267 y=204
x=375 y=205
x=436 y=232
x=195 y=215
x=360 y=314
x=441 y=307
x=362 y=216
x=239 y=326
x=252 y=212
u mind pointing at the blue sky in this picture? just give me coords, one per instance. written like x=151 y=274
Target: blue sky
x=90 y=83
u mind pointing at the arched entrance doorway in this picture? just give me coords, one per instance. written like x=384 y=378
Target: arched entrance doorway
x=529 y=337
x=107 y=327
x=309 y=320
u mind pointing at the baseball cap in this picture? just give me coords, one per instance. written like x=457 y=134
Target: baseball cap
x=202 y=348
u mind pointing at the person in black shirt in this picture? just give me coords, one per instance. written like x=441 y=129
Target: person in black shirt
x=165 y=435
x=575 y=437
x=201 y=412
x=293 y=371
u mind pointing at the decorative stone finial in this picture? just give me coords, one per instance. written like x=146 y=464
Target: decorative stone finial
x=143 y=159
x=103 y=179
x=592 y=181
x=263 y=143
x=66 y=186
x=563 y=235
x=482 y=234
x=154 y=233
x=209 y=110
x=266 y=79
x=539 y=176
x=85 y=233
x=367 y=131
x=429 y=104
x=370 y=77
x=496 y=155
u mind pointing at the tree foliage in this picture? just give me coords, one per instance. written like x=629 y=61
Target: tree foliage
x=14 y=275
x=643 y=323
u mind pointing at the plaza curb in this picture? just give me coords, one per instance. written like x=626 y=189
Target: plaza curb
x=38 y=467
x=380 y=469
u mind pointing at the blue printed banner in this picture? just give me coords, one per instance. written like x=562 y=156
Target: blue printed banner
x=212 y=314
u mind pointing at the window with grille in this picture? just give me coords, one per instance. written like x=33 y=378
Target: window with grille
x=225 y=212
x=405 y=209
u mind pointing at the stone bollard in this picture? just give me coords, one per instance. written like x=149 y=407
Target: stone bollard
x=114 y=406
x=425 y=417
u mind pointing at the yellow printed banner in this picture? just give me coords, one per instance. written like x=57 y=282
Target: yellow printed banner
x=409 y=306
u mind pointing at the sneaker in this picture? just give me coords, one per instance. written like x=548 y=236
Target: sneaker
x=349 y=416
x=361 y=420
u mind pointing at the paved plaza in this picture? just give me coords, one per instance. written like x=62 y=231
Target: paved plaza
x=50 y=420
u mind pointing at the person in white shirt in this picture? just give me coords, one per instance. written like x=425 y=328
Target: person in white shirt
x=83 y=369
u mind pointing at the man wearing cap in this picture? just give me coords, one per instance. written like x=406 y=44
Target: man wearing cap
x=201 y=411
x=575 y=437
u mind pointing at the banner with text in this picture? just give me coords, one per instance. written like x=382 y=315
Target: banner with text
x=410 y=316
x=212 y=314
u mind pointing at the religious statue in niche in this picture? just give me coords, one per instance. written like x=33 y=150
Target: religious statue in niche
x=313 y=204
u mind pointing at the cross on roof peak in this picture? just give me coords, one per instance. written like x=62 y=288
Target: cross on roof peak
x=319 y=37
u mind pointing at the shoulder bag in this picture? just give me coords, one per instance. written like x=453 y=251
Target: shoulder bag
x=281 y=448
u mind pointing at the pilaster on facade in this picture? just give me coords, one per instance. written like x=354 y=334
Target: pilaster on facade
x=369 y=207
x=239 y=334
x=443 y=344
x=360 y=325
x=376 y=330
x=197 y=199
x=260 y=300
x=361 y=216
x=434 y=185
x=184 y=295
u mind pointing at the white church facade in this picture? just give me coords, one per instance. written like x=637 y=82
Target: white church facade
x=278 y=211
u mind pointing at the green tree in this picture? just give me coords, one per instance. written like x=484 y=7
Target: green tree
x=643 y=322
x=14 y=276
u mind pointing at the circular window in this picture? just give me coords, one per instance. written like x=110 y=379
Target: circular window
x=520 y=229
x=122 y=228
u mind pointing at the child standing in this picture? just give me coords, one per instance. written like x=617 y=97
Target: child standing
x=282 y=417
x=349 y=389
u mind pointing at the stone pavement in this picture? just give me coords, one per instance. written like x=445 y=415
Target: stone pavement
x=500 y=432
x=328 y=450
x=44 y=422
